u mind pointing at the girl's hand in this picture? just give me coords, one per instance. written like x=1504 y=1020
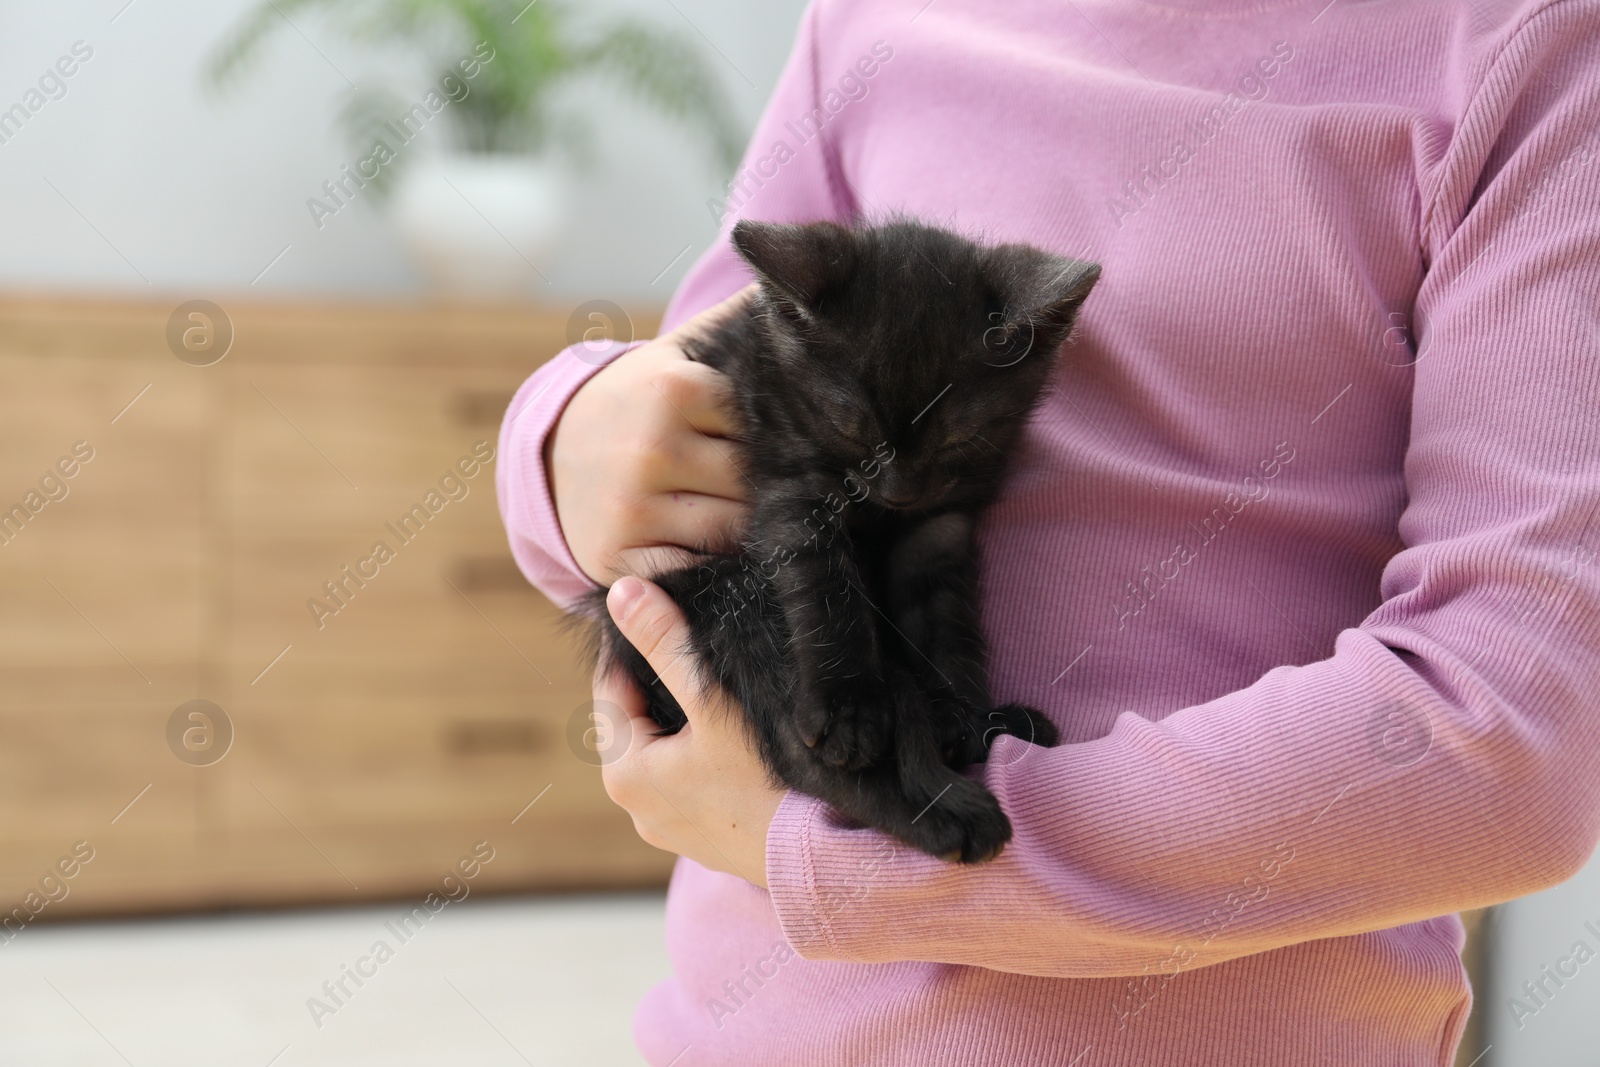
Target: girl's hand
x=703 y=792
x=638 y=459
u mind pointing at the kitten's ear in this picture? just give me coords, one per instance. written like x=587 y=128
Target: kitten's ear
x=1039 y=288
x=798 y=265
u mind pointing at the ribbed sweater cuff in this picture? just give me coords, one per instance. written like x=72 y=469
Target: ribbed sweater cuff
x=791 y=877
x=531 y=418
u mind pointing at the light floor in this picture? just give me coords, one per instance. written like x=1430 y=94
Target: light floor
x=514 y=982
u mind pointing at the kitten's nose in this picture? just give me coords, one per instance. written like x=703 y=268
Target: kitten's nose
x=899 y=496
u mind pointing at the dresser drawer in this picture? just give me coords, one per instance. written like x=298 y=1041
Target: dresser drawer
x=373 y=742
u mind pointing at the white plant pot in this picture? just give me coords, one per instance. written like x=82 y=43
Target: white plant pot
x=482 y=225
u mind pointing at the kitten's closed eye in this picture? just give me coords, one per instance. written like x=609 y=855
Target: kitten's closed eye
x=847 y=427
x=959 y=430
x=854 y=444
x=969 y=429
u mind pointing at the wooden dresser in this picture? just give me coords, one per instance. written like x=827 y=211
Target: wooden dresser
x=369 y=753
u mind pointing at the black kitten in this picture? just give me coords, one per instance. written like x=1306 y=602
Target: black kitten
x=882 y=376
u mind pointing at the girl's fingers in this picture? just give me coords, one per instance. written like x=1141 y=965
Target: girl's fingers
x=708 y=465
x=616 y=688
x=676 y=530
x=622 y=736
x=695 y=521
x=702 y=395
x=652 y=623
x=704 y=398
x=621 y=723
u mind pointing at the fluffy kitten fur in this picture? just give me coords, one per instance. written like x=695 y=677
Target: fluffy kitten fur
x=882 y=375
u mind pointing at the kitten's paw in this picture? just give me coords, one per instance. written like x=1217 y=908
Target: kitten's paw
x=858 y=736
x=811 y=718
x=962 y=730
x=850 y=732
x=1019 y=720
x=964 y=824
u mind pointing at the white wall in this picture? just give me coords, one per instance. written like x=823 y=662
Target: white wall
x=1528 y=935
x=193 y=193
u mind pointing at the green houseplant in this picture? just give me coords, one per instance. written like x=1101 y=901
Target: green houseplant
x=504 y=90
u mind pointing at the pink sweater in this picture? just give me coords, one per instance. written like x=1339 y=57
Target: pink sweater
x=1300 y=553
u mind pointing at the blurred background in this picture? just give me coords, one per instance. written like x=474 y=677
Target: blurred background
x=149 y=177
x=239 y=345
x=271 y=273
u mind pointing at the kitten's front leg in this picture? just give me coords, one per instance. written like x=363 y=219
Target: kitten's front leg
x=841 y=707
x=933 y=600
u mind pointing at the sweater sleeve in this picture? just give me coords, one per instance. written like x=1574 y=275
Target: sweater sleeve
x=1447 y=754
x=781 y=179
x=527 y=507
